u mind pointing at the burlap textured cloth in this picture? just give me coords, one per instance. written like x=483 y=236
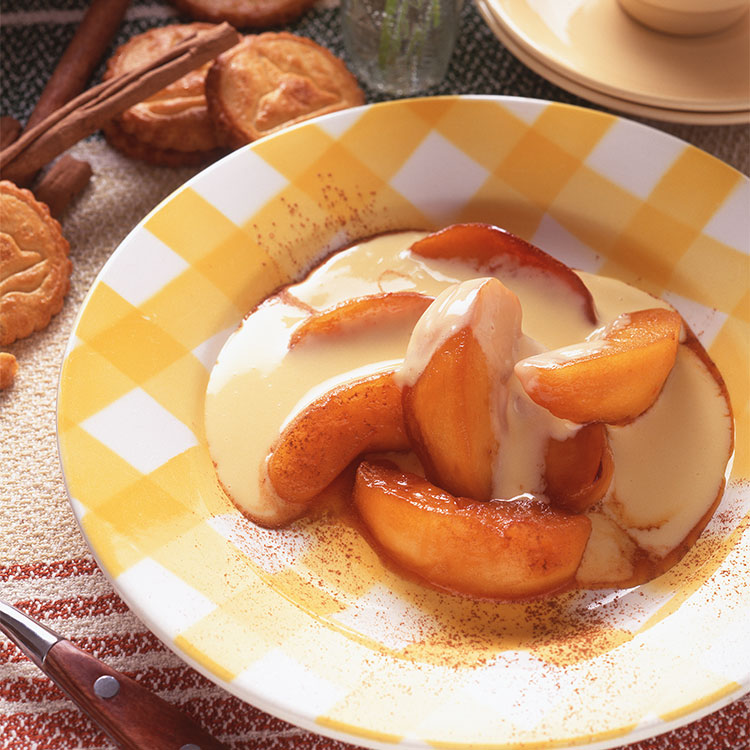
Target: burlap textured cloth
x=46 y=568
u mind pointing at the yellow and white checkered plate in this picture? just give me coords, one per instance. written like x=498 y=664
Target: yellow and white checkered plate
x=306 y=623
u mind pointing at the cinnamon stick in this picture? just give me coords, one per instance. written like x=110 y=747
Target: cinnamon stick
x=87 y=47
x=9 y=130
x=90 y=110
x=75 y=67
x=66 y=178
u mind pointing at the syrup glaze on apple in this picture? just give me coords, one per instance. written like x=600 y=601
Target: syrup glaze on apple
x=659 y=498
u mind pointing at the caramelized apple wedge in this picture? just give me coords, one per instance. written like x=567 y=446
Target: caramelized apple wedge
x=492 y=247
x=578 y=471
x=367 y=310
x=358 y=416
x=452 y=408
x=613 y=378
x=448 y=419
x=502 y=549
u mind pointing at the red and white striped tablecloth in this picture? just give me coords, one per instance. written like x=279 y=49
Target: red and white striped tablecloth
x=73 y=597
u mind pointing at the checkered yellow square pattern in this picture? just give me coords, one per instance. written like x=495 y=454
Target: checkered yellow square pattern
x=529 y=160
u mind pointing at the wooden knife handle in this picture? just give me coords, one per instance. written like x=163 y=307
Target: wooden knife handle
x=130 y=714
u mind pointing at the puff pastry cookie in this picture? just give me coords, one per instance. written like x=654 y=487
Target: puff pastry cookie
x=175 y=119
x=255 y=14
x=272 y=80
x=134 y=148
x=34 y=264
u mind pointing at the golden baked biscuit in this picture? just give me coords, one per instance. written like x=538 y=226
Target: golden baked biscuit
x=34 y=264
x=8 y=370
x=176 y=117
x=272 y=80
x=131 y=146
x=255 y=14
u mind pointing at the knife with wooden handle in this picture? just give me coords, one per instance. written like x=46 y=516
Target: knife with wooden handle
x=132 y=716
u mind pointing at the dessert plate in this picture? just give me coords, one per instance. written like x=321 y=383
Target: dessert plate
x=693 y=117
x=594 y=44
x=306 y=623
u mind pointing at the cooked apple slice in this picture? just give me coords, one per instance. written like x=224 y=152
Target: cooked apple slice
x=448 y=418
x=613 y=378
x=578 y=471
x=362 y=415
x=492 y=247
x=367 y=310
x=458 y=394
x=502 y=549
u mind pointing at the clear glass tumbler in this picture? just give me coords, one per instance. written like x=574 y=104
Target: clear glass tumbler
x=400 y=47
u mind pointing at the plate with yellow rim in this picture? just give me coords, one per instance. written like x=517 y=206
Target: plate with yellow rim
x=331 y=640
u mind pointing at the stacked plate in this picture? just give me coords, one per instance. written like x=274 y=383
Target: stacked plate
x=592 y=48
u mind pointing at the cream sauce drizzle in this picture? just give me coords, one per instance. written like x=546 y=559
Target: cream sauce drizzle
x=258 y=384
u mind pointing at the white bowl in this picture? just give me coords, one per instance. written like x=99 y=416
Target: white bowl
x=687 y=17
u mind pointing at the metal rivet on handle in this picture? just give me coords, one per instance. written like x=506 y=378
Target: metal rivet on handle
x=106 y=686
x=190 y=746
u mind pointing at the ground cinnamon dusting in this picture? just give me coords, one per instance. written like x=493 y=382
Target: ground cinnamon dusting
x=326 y=566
